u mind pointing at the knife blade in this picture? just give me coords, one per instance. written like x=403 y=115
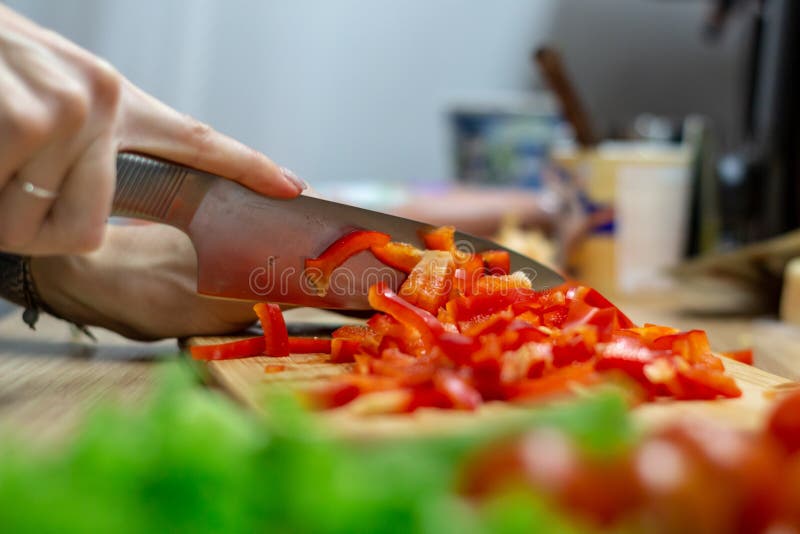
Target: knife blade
x=251 y=247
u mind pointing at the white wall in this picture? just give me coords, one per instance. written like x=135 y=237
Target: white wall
x=354 y=89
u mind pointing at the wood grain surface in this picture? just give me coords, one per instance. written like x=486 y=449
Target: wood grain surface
x=49 y=378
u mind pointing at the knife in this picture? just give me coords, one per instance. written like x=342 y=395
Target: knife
x=251 y=247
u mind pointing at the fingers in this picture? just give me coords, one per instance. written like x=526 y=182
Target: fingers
x=76 y=222
x=24 y=127
x=21 y=213
x=149 y=126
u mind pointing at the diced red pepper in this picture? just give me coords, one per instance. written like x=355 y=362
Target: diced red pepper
x=497 y=262
x=557 y=383
x=442 y=238
x=461 y=394
x=272 y=368
x=428 y=286
x=243 y=348
x=697 y=383
x=343 y=350
x=743 y=356
x=574 y=346
x=493 y=285
x=320 y=269
x=401 y=256
x=629 y=354
x=276 y=337
x=469 y=269
x=693 y=346
x=383 y=298
x=456 y=336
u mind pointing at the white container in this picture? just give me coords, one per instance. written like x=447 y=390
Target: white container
x=651 y=213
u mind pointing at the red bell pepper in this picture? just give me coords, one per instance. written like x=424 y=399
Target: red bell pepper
x=497 y=262
x=442 y=238
x=557 y=383
x=461 y=395
x=243 y=348
x=429 y=284
x=383 y=298
x=493 y=285
x=469 y=269
x=743 y=356
x=693 y=346
x=276 y=337
x=401 y=256
x=343 y=350
x=320 y=269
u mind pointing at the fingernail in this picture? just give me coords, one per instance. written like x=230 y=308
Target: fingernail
x=296 y=180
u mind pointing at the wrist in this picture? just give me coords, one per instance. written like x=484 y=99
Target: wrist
x=57 y=286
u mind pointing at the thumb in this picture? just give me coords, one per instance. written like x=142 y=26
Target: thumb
x=150 y=127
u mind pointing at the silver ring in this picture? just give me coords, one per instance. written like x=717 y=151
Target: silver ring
x=39 y=192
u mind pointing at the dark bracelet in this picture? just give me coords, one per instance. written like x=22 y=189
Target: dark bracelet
x=17 y=286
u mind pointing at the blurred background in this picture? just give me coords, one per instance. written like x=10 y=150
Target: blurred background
x=615 y=139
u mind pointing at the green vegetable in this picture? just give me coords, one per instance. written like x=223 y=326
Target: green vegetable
x=191 y=461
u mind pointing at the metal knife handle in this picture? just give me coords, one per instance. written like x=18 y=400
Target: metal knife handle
x=146 y=187
x=159 y=191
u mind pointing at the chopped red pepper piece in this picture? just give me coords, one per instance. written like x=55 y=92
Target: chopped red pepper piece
x=743 y=356
x=492 y=285
x=442 y=238
x=469 y=269
x=461 y=394
x=497 y=262
x=276 y=337
x=555 y=384
x=401 y=256
x=428 y=285
x=320 y=269
x=242 y=348
x=343 y=350
x=382 y=298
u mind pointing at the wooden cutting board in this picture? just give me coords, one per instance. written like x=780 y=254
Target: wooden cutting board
x=246 y=381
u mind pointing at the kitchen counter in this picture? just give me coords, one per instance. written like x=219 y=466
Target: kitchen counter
x=51 y=376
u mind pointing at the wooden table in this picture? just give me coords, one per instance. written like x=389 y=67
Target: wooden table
x=48 y=378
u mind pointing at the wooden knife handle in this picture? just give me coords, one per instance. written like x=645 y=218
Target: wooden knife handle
x=553 y=71
x=146 y=187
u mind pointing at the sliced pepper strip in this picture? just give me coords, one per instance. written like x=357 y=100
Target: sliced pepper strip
x=276 y=337
x=401 y=256
x=243 y=348
x=320 y=269
x=383 y=298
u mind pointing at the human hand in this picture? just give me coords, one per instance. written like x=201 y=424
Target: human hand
x=64 y=115
x=140 y=283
